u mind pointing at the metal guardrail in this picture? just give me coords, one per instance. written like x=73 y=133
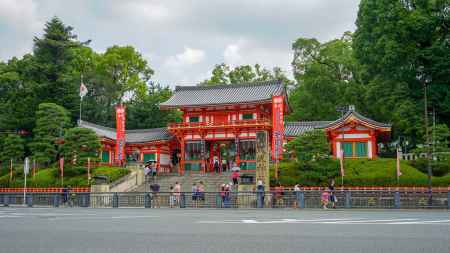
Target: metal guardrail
x=287 y=199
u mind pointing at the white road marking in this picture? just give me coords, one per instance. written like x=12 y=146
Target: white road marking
x=353 y=221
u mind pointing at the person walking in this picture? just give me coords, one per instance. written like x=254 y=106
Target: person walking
x=324 y=198
x=333 y=198
x=194 y=195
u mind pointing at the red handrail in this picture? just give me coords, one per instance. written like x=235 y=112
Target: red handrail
x=257 y=122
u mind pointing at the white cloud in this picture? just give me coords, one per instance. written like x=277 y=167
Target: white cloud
x=232 y=55
x=142 y=10
x=189 y=57
x=19 y=23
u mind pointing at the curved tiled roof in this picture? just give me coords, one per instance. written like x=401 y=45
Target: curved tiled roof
x=145 y=135
x=292 y=129
x=224 y=94
x=131 y=136
x=353 y=113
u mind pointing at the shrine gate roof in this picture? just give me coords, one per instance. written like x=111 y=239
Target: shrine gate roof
x=131 y=136
x=353 y=115
x=190 y=96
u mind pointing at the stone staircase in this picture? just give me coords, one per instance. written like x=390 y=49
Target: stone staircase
x=211 y=182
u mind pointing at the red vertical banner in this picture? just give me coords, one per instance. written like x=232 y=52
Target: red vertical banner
x=120 y=134
x=61 y=166
x=278 y=127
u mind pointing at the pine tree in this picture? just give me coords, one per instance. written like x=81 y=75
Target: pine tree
x=51 y=120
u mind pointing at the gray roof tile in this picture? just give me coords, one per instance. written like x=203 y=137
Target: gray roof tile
x=292 y=129
x=131 y=136
x=224 y=94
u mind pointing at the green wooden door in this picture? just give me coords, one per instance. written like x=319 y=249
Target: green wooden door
x=348 y=149
x=105 y=156
x=149 y=157
x=361 y=149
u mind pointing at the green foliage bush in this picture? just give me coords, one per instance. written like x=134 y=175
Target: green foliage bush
x=358 y=172
x=439 y=168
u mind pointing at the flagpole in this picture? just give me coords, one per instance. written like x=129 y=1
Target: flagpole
x=81 y=97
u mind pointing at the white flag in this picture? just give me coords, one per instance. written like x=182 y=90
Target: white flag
x=83 y=90
x=26 y=166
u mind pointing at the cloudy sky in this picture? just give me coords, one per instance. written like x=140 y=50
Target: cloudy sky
x=182 y=40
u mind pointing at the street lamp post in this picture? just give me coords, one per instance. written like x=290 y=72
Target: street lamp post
x=425 y=80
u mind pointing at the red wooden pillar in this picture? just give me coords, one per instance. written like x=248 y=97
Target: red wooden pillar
x=374 y=145
x=158 y=159
x=211 y=157
x=238 y=151
x=181 y=168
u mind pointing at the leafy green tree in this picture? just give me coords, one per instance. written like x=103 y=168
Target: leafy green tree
x=51 y=121
x=311 y=145
x=120 y=75
x=12 y=148
x=223 y=74
x=79 y=145
x=18 y=101
x=144 y=111
x=395 y=41
x=327 y=77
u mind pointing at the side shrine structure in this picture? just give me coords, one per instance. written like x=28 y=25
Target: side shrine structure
x=220 y=123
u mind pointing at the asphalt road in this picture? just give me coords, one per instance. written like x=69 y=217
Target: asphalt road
x=75 y=230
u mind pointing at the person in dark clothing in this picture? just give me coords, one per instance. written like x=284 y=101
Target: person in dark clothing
x=155 y=195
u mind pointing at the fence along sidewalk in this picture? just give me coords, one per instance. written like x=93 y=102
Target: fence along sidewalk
x=371 y=199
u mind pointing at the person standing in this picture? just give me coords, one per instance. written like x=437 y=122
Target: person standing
x=235 y=174
x=216 y=165
x=177 y=192
x=147 y=172
x=172 y=198
x=333 y=198
x=260 y=194
x=153 y=170
x=155 y=195
x=201 y=192
x=296 y=196
x=194 y=195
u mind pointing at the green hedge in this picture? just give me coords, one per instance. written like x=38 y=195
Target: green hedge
x=360 y=172
x=74 y=177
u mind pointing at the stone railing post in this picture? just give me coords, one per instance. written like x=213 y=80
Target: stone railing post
x=115 y=200
x=348 y=199
x=56 y=200
x=147 y=200
x=397 y=200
